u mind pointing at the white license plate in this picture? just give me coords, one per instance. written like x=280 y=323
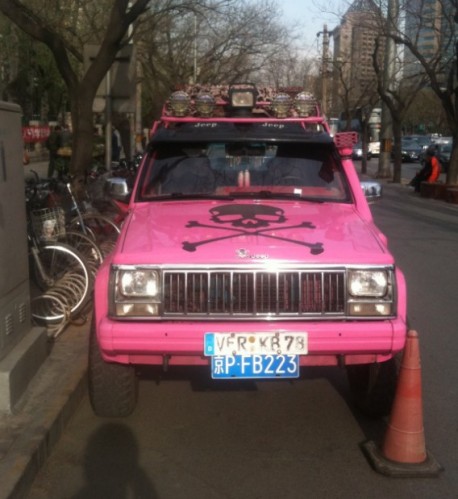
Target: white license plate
x=258 y=343
x=255 y=366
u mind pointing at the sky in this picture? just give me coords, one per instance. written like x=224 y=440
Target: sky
x=311 y=15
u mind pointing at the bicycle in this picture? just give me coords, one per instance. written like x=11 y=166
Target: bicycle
x=42 y=191
x=63 y=279
x=82 y=218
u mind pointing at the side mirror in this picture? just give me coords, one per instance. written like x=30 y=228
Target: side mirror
x=372 y=190
x=117 y=188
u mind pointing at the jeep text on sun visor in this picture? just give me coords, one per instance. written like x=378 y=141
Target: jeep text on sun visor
x=236 y=132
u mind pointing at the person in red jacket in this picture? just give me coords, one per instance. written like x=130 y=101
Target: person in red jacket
x=430 y=171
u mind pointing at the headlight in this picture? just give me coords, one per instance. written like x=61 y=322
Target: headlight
x=136 y=292
x=371 y=292
x=368 y=283
x=138 y=283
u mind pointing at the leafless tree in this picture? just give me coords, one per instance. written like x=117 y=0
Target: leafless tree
x=398 y=99
x=425 y=114
x=57 y=25
x=354 y=83
x=438 y=67
x=178 y=41
x=66 y=27
x=238 y=41
x=354 y=97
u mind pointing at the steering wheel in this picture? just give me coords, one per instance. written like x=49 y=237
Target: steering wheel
x=292 y=180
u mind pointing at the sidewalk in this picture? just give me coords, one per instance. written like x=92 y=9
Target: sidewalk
x=28 y=436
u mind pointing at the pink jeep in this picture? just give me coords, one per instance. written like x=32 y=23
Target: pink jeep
x=249 y=247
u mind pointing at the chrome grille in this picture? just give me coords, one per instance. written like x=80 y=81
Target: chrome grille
x=254 y=293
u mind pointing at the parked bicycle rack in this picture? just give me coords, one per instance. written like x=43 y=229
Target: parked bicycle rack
x=64 y=289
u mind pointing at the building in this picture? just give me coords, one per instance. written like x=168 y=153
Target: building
x=430 y=26
x=355 y=41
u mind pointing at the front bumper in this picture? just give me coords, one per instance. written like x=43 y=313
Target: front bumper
x=182 y=343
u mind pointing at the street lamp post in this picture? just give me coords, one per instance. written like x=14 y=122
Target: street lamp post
x=324 y=68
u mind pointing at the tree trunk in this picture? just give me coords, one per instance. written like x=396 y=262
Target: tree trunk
x=364 y=145
x=83 y=135
x=452 y=172
x=397 y=148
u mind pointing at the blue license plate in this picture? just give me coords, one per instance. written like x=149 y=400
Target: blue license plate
x=255 y=366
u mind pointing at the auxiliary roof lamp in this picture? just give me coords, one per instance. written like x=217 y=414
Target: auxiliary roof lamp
x=205 y=104
x=242 y=97
x=305 y=104
x=281 y=105
x=179 y=103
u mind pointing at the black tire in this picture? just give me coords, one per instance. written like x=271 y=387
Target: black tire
x=113 y=388
x=373 y=386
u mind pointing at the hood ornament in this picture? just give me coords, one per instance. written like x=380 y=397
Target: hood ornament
x=244 y=253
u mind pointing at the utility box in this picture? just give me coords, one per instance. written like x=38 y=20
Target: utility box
x=22 y=348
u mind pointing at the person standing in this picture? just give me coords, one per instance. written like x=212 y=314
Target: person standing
x=116 y=145
x=66 y=136
x=54 y=143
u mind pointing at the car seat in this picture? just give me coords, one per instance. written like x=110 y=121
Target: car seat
x=189 y=176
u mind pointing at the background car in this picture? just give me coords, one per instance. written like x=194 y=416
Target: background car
x=358 y=152
x=374 y=148
x=443 y=153
x=423 y=140
x=411 y=150
x=443 y=140
x=443 y=147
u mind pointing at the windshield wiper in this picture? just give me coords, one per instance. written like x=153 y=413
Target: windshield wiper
x=183 y=195
x=274 y=195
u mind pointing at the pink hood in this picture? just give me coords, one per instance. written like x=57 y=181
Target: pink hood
x=207 y=232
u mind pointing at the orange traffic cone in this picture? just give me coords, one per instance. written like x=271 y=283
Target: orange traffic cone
x=404 y=452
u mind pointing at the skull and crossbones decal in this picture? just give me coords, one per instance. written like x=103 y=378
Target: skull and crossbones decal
x=251 y=220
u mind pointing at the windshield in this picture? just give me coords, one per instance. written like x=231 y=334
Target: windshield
x=226 y=169
x=423 y=141
x=411 y=144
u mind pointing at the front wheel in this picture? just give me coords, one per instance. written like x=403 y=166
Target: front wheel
x=112 y=387
x=373 y=386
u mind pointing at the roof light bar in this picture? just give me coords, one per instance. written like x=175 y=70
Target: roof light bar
x=242 y=100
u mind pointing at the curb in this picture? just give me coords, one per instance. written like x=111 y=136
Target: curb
x=27 y=437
